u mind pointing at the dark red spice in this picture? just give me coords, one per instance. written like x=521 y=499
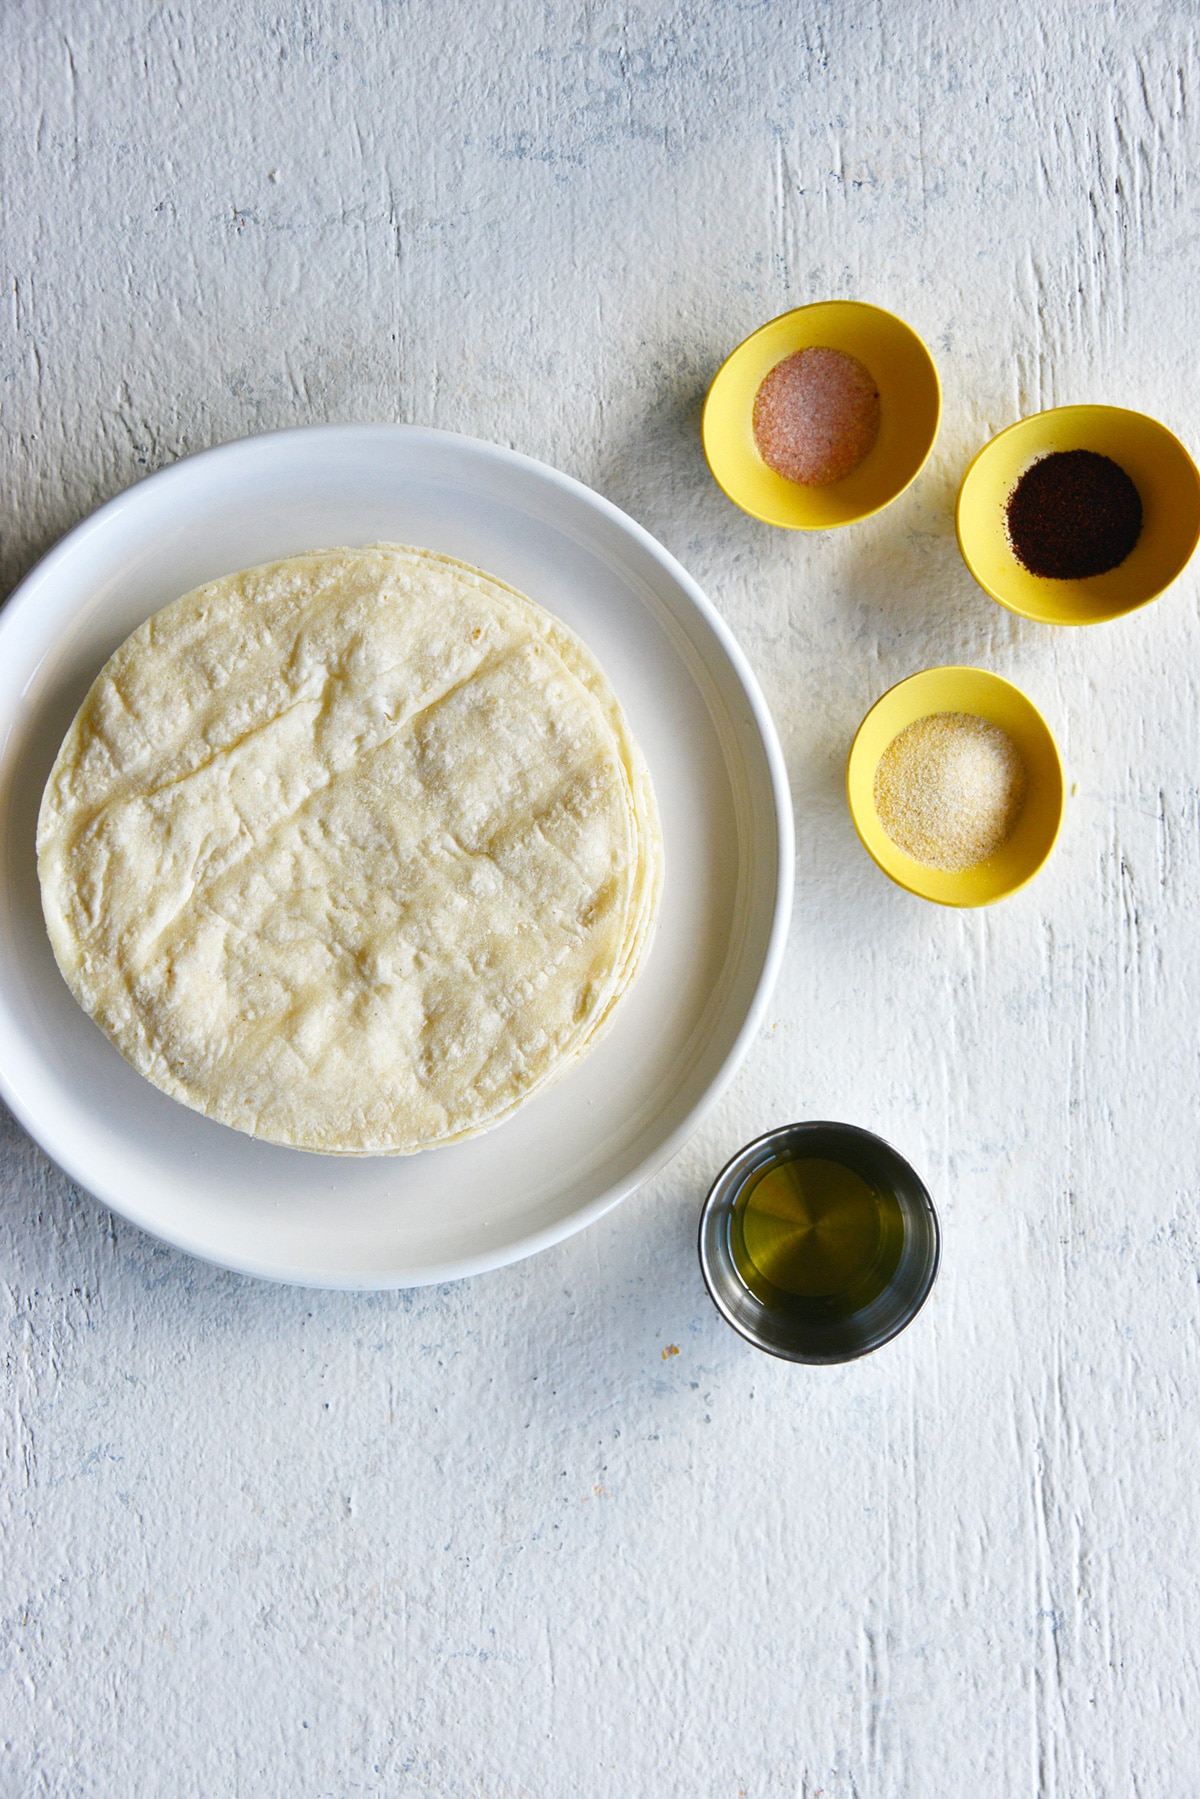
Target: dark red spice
x=1073 y=514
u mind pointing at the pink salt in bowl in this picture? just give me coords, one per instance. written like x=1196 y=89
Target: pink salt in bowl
x=909 y=410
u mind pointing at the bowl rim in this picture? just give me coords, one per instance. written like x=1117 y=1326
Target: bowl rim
x=958 y=905
x=1039 y=618
x=794 y=312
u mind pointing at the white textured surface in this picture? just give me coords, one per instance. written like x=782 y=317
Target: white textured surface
x=496 y=1540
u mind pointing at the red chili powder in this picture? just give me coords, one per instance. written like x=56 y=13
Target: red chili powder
x=1073 y=514
x=816 y=416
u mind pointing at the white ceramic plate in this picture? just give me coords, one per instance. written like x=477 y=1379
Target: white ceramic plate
x=695 y=708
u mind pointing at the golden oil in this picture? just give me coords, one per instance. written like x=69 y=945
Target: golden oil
x=815 y=1238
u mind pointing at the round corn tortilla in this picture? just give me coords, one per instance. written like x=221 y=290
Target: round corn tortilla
x=354 y=851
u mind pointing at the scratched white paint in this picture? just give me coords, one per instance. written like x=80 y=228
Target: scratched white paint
x=497 y=1540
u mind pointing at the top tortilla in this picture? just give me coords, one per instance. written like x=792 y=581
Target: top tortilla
x=354 y=851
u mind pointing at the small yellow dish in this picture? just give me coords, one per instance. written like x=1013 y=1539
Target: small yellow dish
x=1155 y=461
x=910 y=407
x=989 y=697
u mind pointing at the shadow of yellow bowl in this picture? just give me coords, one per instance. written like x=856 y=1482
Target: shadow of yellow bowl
x=910 y=407
x=1159 y=467
x=986 y=696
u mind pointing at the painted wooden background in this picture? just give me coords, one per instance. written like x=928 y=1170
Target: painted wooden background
x=557 y=1531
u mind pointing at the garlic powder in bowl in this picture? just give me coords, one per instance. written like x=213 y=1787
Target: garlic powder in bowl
x=949 y=789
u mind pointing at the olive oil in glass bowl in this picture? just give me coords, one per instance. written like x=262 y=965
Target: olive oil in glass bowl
x=818 y=1242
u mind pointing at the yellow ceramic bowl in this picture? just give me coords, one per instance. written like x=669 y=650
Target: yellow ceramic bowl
x=1159 y=467
x=987 y=696
x=910 y=407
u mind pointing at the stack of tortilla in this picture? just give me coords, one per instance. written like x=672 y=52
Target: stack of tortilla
x=354 y=851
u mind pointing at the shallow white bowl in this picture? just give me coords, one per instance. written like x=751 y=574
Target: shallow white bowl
x=717 y=767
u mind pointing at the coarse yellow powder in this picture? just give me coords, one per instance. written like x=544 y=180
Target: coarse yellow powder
x=949 y=790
